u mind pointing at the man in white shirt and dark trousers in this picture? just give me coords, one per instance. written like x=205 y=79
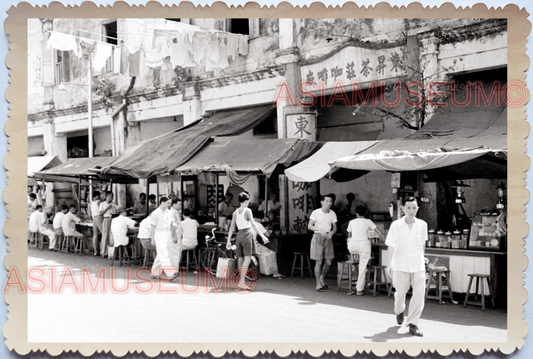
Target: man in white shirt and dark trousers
x=406 y=241
x=58 y=220
x=107 y=209
x=323 y=222
x=97 y=220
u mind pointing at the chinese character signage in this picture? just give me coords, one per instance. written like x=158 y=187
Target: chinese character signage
x=302 y=126
x=355 y=64
x=302 y=201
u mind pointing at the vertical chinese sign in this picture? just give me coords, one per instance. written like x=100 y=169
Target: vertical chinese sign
x=302 y=126
x=302 y=201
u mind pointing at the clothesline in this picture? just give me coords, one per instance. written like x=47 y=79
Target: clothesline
x=95 y=33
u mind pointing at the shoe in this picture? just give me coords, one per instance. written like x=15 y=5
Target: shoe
x=243 y=287
x=320 y=289
x=403 y=330
x=399 y=318
x=350 y=293
x=279 y=276
x=360 y=292
x=325 y=286
x=413 y=330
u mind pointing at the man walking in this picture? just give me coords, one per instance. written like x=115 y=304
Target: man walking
x=406 y=242
x=323 y=222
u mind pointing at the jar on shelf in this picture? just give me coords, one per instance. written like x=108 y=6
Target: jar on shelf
x=464 y=238
x=439 y=239
x=431 y=238
x=448 y=239
x=456 y=239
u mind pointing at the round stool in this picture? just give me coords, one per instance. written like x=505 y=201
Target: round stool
x=439 y=281
x=58 y=242
x=68 y=241
x=79 y=245
x=344 y=272
x=148 y=253
x=188 y=261
x=377 y=279
x=122 y=252
x=301 y=268
x=476 y=302
x=34 y=240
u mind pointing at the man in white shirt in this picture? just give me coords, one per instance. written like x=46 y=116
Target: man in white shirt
x=97 y=220
x=406 y=241
x=119 y=228
x=45 y=228
x=224 y=208
x=107 y=209
x=271 y=207
x=323 y=222
x=189 y=231
x=58 y=220
x=33 y=224
x=145 y=234
x=69 y=222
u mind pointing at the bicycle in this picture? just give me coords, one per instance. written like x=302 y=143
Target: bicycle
x=213 y=251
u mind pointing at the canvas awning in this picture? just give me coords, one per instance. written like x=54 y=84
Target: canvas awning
x=454 y=135
x=40 y=163
x=259 y=156
x=316 y=166
x=167 y=152
x=81 y=168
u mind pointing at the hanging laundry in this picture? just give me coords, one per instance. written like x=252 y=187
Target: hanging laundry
x=102 y=52
x=243 y=45
x=135 y=63
x=134 y=34
x=117 y=54
x=124 y=61
x=200 y=45
x=64 y=42
x=180 y=52
x=232 y=46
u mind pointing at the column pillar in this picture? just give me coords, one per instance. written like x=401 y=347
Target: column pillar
x=429 y=56
x=192 y=105
x=119 y=131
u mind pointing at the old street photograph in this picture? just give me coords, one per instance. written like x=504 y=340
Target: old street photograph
x=235 y=180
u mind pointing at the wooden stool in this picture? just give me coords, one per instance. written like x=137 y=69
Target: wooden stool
x=148 y=253
x=41 y=241
x=58 y=242
x=188 y=262
x=440 y=279
x=68 y=241
x=301 y=255
x=476 y=302
x=79 y=244
x=122 y=254
x=341 y=272
x=34 y=240
x=376 y=283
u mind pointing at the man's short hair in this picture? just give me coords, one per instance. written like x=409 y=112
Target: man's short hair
x=96 y=193
x=187 y=212
x=162 y=199
x=229 y=195
x=333 y=196
x=152 y=196
x=142 y=195
x=175 y=200
x=361 y=210
x=73 y=206
x=243 y=197
x=350 y=196
x=409 y=199
x=107 y=193
x=38 y=207
x=323 y=197
x=63 y=207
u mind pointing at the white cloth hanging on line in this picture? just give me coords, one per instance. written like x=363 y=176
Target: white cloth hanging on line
x=64 y=42
x=102 y=52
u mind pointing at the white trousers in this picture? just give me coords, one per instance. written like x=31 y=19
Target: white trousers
x=51 y=236
x=363 y=249
x=162 y=258
x=402 y=281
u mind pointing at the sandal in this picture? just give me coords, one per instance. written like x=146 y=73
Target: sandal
x=325 y=286
x=320 y=289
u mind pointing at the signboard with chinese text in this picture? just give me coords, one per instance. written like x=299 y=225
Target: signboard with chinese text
x=355 y=64
x=302 y=126
x=302 y=201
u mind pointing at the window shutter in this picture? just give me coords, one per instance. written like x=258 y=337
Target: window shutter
x=254 y=28
x=47 y=72
x=66 y=66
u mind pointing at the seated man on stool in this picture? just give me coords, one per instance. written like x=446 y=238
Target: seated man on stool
x=119 y=227
x=58 y=220
x=189 y=232
x=69 y=223
x=46 y=229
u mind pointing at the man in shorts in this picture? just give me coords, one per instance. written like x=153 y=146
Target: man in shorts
x=323 y=222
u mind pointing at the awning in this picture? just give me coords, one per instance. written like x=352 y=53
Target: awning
x=81 y=168
x=316 y=166
x=247 y=155
x=167 y=152
x=39 y=163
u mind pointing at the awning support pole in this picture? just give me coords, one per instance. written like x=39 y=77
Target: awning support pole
x=216 y=197
x=147 y=195
x=265 y=215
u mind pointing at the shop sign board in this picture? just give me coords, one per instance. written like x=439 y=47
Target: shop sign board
x=302 y=201
x=355 y=64
x=302 y=126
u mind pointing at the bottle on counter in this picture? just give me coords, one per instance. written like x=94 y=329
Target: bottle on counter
x=439 y=239
x=456 y=239
x=464 y=238
x=447 y=239
x=431 y=238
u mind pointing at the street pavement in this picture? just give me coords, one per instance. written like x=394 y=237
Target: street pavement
x=275 y=311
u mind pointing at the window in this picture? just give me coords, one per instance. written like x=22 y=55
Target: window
x=78 y=146
x=110 y=33
x=238 y=26
x=267 y=127
x=61 y=71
